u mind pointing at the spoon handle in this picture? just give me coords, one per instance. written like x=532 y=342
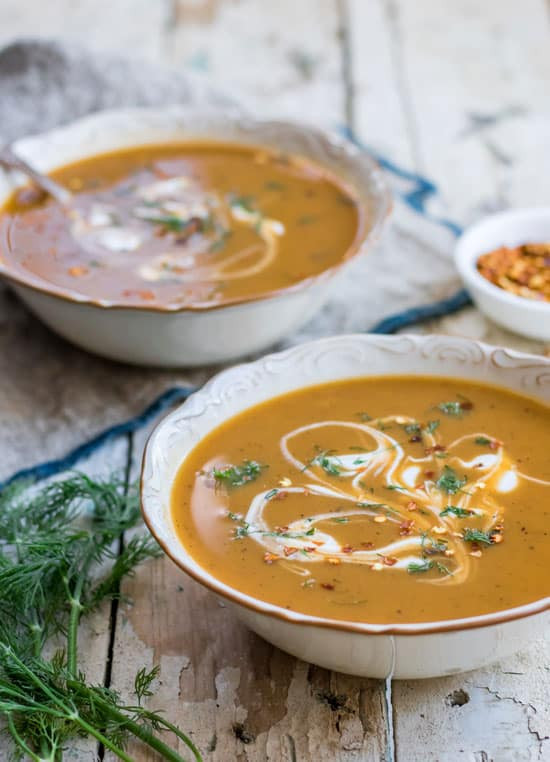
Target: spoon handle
x=10 y=160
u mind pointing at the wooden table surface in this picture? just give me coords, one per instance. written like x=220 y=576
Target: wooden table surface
x=455 y=89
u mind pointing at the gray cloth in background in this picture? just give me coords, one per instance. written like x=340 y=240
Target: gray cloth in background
x=44 y=84
x=52 y=395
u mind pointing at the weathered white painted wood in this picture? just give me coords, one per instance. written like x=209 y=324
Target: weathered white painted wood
x=418 y=70
x=123 y=26
x=471 y=92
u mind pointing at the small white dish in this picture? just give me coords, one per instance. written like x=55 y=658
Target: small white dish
x=414 y=650
x=513 y=228
x=175 y=336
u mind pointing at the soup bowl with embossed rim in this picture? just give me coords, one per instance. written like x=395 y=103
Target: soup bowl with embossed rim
x=173 y=335
x=417 y=650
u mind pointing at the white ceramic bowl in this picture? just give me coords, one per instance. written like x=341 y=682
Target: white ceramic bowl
x=525 y=316
x=419 y=650
x=191 y=336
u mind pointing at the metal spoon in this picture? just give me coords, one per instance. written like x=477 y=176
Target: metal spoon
x=10 y=160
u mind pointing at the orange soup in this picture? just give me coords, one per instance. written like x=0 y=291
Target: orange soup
x=191 y=225
x=379 y=500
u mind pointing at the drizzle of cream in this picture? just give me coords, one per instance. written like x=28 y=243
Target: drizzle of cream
x=400 y=471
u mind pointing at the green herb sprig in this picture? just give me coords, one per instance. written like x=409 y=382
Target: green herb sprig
x=237 y=476
x=450 y=482
x=62 y=556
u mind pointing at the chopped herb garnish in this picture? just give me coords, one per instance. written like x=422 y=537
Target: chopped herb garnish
x=270 y=494
x=455 y=408
x=371 y=505
x=412 y=428
x=450 y=482
x=395 y=487
x=327 y=464
x=383 y=426
x=453 y=510
x=342 y=520
x=364 y=416
x=242 y=531
x=244 y=202
x=237 y=476
x=477 y=535
x=234 y=516
x=483 y=441
x=430 y=546
x=220 y=242
x=431 y=426
x=420 y=566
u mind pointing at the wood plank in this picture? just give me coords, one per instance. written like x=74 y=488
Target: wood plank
x=470 y=79
x=103 y=25
x=239 y=697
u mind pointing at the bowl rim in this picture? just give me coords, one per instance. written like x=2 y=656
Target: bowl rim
x=366 y=234
x=191 y=567
x=465 y=257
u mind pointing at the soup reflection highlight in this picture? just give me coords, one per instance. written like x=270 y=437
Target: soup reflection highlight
x=437 y=511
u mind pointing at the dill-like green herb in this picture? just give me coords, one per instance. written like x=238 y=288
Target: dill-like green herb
x=237 y=476
x=455 y=408
x=477 y=535
x=454 y=510
x=395 y=487
x=483 y=441
x=340 y=520
x=59 y=561
x=422 y=566
x=327 y=464
x=365 y=417
x=412 y=428
x=271 y=493
x=431 y=426
x=450 y=482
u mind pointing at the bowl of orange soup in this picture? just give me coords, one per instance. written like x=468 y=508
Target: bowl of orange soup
x=374 y=505
x=191 y=236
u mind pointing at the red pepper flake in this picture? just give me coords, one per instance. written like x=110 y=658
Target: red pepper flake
x=270 y=557
x=310 y=549
x=281 y=530
x=388 y=560
x=405 y=527
x=288 y=550
x=281 y=495
x=429 y=474
x=412 y=506
x=435 y=448
x=367 y=545
x=494 y=444
x=467 y=405
x=327 y=586
x=347 y=549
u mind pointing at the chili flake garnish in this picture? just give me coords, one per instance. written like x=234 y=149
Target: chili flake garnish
x=523 y=271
